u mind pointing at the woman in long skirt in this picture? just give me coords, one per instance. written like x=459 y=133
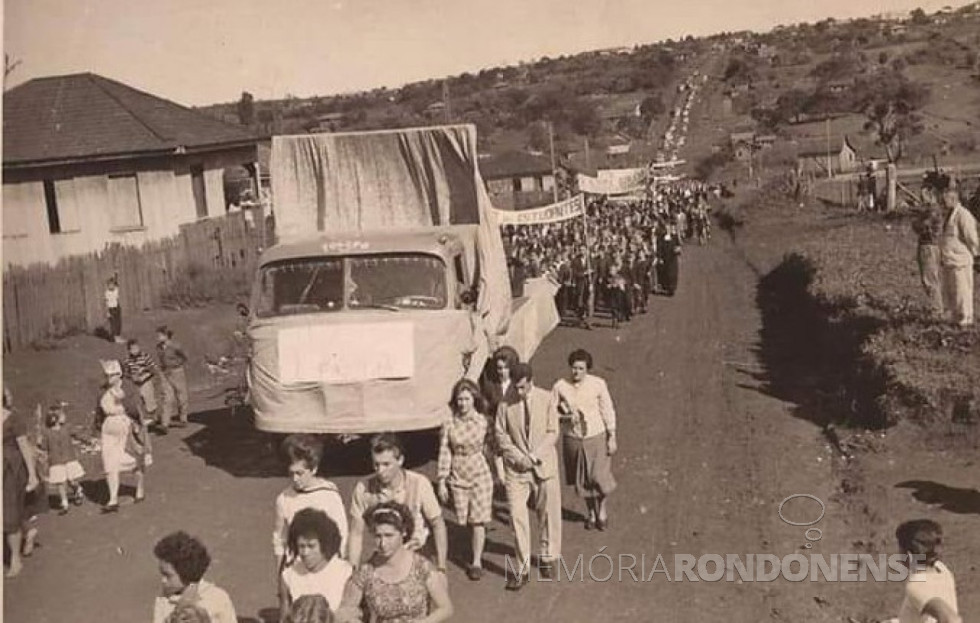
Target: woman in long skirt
x=588 y=436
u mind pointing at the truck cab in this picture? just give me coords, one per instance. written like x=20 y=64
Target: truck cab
x=362 y=332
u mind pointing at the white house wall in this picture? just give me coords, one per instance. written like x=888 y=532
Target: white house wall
x=166 y=201
x=214 y=183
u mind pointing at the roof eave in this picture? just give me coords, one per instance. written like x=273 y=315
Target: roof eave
x=129 y=155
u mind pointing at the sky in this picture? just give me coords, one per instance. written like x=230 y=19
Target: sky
x=199 y=52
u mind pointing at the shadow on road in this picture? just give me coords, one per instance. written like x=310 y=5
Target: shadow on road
x=952 y=499
x=810 y=351
x=231 y=443
x=460 y=548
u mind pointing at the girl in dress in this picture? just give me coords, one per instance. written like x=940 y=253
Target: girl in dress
x=463 y=468
x=120 y=449
x=397 y=585
x=64 y=470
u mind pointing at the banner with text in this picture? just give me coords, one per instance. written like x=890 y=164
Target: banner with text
x=613 y=181
x=561 y=211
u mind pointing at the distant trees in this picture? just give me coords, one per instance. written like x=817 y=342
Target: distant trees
x=918 y=17
x=652 y=107
x=891 y=104
x=739 y=69
x=791 y=104
x=584 y=118
x=246 y=109
x=538 y=136
x=837 y=67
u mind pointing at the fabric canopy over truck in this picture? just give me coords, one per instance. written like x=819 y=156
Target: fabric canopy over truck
x=380 y=181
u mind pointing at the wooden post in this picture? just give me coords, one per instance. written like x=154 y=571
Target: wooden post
x=890 y=179
x=830 y=163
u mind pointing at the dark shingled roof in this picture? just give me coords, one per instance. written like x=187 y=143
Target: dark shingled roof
x=84 y=116
x=514 y=163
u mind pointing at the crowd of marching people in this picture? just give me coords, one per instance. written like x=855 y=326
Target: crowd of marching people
x=506 y=438
x=502 y=439
x=619 y=254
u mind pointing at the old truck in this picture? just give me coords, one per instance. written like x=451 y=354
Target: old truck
x=388 y=285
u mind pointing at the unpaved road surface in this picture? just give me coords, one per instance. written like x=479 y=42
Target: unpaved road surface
x=706 y=456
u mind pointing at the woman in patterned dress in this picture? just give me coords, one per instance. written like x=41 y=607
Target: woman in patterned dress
x=463 y=467
x=397 y=585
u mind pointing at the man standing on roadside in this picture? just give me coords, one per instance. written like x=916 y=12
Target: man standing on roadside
x=958 y=245
x=928 y=225
x=527 y=432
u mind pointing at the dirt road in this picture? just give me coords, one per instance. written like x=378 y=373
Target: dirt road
x=706 y=456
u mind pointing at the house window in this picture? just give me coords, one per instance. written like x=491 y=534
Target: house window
x=200 y=191
x=51 y=201
x=125 y=211
x=61 y=205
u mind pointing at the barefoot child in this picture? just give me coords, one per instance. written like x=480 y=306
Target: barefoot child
x=64 y=470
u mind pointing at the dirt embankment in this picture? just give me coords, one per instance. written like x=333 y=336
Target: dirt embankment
x=847 y=339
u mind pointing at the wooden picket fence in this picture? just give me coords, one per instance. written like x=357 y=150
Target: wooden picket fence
x=42 y=302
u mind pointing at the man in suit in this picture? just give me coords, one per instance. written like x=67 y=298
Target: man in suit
x=527 y=432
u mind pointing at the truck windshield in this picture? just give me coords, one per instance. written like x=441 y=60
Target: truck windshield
x=389 y=281
x=406 y=281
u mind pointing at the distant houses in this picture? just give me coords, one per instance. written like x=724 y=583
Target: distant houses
x=517 y=179
x=827 y=158
x=88 y=161
x=742 y=144
x=329 y=122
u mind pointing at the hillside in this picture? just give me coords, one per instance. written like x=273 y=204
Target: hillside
x=786 y=82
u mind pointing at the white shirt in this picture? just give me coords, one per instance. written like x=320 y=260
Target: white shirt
x=329 y=581
x=592 y=407
x=211 y=598
x=112 y=297
x=959 y=241
x=922 y=587
x=322 y=495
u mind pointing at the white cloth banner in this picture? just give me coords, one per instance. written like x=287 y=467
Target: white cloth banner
x=561 y=211
x=613 y=181
x=346 y=353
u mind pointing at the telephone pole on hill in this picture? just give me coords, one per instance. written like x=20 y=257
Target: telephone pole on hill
x=446 y=102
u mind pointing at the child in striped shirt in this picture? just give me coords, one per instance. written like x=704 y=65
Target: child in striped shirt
x=140 y=368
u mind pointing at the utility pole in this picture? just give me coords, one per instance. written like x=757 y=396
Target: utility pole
x=554 y=172
x=830 y=164
x=446 y=102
